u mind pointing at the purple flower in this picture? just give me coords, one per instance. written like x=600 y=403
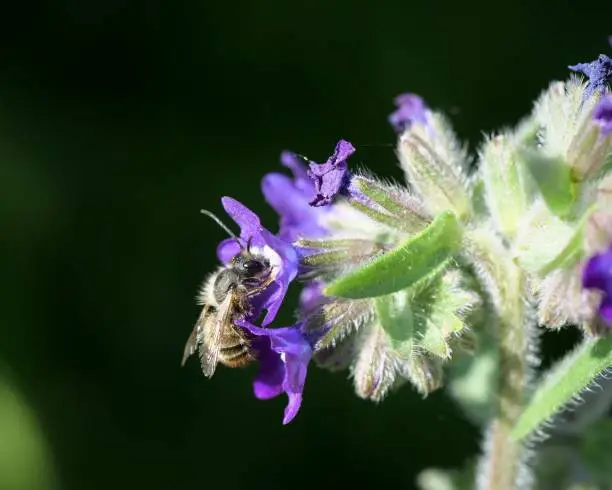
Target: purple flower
x=599 y=73
x=282 y=256
x=410 y=109
x=284 y=354
x=331 y=178
x=289 y=198
x=602 y=114
x=598 y=275
x=311 y=297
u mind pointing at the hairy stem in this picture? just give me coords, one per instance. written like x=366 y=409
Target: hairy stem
x=503 y=466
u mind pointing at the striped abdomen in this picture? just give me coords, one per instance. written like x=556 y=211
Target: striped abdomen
x=235 y=349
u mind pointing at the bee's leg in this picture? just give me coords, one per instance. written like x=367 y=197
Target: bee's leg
x=260 y=288
x=245 y=305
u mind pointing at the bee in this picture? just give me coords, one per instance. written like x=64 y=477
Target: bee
x=226 y=297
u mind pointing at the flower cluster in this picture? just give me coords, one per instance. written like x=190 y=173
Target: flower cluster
x=398 y=280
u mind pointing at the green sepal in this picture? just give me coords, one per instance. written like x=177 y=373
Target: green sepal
x=379 y=195
x=564 y=382
x=418 y=257
x=436 y=166
x=333 y=244
x=407 y=211
x=411 y=335
x=553 y=176
x=338 y=319
x=428 y=316
x=326 y=258
x=505 y=183
x=389 y=220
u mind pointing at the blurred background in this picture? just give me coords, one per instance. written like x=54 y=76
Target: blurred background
x=119 y=121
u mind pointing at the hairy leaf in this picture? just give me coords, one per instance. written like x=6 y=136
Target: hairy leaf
x=564 y=382
x=573 y=250
x=553 y=177
x=415 y=259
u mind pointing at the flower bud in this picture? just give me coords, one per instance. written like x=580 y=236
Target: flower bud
x=435 y=165
x=505 y=183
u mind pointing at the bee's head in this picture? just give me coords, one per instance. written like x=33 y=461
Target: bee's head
x=249 y=265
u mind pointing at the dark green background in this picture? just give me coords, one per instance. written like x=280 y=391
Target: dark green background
x=118 y=122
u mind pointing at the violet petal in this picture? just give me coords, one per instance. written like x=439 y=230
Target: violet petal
x=227 y=250
x=297 y=217
x=330 y=178
x=311 y=297
x=297 y=164
x=281 y=254
x=269 y=380
x=410 y=109
x=605 y=309
x=602 y=114
x=286 y=274
x=249 y=222
x=597 y=274
x=599 y=73
x=295 y=353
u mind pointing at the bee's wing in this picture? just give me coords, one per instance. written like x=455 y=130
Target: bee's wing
x=212 y=331
x=195 y=337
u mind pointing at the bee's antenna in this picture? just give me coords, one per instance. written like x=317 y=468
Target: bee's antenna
x=220 y=223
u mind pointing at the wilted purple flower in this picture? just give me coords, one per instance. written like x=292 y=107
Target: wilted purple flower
x=598 y=275
x=290 y=197
x=330 y=178
x=411 y=108
x=282 y=256
x=599 y=73
x=284 y=354
x=602 y=114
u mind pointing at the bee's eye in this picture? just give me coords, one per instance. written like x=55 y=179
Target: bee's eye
x=253 y=266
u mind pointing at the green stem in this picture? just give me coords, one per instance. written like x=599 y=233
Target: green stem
x=504 y=463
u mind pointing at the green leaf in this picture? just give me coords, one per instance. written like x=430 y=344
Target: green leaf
x=413 y=260
x=472 y=381
x=397 y=322
x=553 y=177
x=564 y=382
x=448 y=479
x=541 y=238
x=26 y=461
x=572 y=251
x=436 y=479
x=595 y=451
